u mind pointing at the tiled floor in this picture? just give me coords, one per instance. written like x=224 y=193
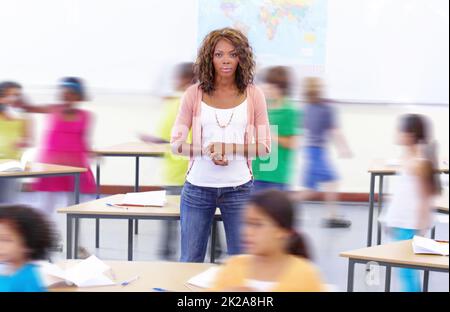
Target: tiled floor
x=326 y=244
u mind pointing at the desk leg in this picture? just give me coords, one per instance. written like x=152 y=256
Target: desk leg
x=97 y=233
x=69 y=230
x=380 y=207
x=433 y=232
x=97 y=220
x=213 y=241
x=387 y=286
x=371 y=202
x=75 y=244
x=77 y=221
x=136 y=189
x=426 y=277
x=351 y=275
x=130 y=239
x=77 y=188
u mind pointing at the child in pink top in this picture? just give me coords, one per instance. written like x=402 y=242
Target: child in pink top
x=66 y=139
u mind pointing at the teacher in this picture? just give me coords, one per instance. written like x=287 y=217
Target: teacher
x=227 y=115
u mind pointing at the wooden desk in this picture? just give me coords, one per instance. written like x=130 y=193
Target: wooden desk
x=98 y=209
x=167 y=275
x=398 y=254
x=39 y=170
x=442 y=205
x=381 y=169
x=130 y=149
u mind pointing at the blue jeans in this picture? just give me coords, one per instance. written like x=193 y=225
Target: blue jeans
x=198 y=205
x=409 y=278
x=260 y=186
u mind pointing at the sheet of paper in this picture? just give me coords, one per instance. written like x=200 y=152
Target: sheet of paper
x=154 y=198
x=87 y=270
x=423 y=245
x=205 y=279
x=101 y=280
x=87 y=273
x=11 y=166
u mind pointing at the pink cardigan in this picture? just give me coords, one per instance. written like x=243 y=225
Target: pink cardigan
x=257 y=131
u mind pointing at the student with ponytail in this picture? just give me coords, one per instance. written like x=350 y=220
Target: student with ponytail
x=277 y=257
x=409 y=212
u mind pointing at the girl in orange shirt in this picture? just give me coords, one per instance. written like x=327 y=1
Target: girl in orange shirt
x=277 y=257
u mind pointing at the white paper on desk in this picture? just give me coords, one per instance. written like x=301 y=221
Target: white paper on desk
x=205 y=279
x=153 y=198
x=423 y=245
x=87 y=273
x=13 y=165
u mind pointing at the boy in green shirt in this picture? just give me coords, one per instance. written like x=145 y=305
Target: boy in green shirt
x=276 y=170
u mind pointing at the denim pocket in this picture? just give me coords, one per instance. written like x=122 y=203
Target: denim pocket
x=245 y=186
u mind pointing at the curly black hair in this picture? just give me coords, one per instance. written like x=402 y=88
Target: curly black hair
x=204 y=68
x=37 y=231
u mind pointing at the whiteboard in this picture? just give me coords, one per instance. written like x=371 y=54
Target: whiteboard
x=376 y=50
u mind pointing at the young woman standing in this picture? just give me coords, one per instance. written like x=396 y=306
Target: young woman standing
x=229 y=122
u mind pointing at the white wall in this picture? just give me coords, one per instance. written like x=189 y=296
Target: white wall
x=377 y=50
x=395 y=51
x=390 y=50
x=370 y=130
x=114 y=44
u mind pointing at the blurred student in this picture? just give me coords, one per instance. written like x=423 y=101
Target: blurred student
x=276 y=256
x=66 y=140
x=15 y=135
x=174 y=166
x=409 y=212
x=321 y=127
x=25 y=236
x=276 y=170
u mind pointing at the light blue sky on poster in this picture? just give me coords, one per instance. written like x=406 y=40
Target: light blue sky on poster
x=280 y=31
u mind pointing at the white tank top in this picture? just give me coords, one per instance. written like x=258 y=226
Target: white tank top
x=204 y=172
x=403 y=210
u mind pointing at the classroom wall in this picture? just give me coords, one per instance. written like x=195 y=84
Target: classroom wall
x=377 y=50
x=369 y=128
x=395 y=51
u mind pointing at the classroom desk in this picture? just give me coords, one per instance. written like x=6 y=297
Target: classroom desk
x=441 y=205
x=98 y=209
x=171 y=276
x=398 y=254
x=40 y=170
x=131 y=149
x=380 y=170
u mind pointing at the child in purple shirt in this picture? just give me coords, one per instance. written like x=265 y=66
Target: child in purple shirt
x=320 y=128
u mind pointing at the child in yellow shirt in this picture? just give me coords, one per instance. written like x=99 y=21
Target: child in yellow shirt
x=277 y=257
x=14 y=136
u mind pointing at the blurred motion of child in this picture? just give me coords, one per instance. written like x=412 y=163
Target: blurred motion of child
x=276 y=256
x=15 y=135
x=26 y=235
x=276 y=170
x=409 y=212
x=174 y=166
x=66 y=141
x=321 y=126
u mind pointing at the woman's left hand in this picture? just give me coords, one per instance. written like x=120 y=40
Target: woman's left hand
x=217 y=148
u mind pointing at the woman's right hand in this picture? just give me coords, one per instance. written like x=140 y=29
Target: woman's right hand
x=219 y=159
